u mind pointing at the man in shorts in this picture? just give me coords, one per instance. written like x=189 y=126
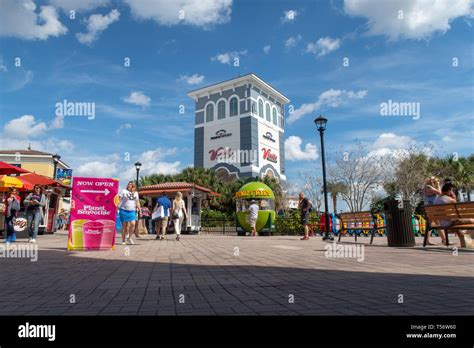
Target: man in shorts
x=253 y=216
x=163 y=204
x=304 y=205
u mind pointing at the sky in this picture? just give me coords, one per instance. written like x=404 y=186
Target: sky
x=352 y=61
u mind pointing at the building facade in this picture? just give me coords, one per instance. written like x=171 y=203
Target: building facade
x=239 y=128
x=35 y=161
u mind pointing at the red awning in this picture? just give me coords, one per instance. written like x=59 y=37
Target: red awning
x=6 y=169
x=42 y=180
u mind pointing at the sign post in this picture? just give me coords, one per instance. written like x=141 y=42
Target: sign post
x=93 y=214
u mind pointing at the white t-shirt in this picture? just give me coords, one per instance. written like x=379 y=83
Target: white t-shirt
x=253 y=212
x=129 y=200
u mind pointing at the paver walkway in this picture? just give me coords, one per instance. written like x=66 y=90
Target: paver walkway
x=227 y=275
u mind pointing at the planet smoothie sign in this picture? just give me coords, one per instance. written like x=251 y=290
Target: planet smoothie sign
x=93 y=214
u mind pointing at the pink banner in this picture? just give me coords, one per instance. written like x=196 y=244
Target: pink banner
x=93 y=214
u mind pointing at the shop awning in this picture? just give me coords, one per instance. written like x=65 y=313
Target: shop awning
x=172 y=187
x=42 y=180
x=6 y=169
x=13 y=181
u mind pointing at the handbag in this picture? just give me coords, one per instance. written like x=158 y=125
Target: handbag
x=156 y=213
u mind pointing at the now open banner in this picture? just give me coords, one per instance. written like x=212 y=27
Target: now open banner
x=93 y=214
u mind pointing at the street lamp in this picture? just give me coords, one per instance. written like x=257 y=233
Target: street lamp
x=321 y=127
x=56 y=159
x=138 y=166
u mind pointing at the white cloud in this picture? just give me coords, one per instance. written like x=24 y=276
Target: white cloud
x=97 y=169
x=96 y=24
x=122 y=127
x=289 y=16
x=228 y=57
x=192 y=80
x=24 y=127
x=47 y=144
x=64 y=145
x=204 y=13
x=294 y=152
x=330 y=98
x=393 y=145
x=153 y=162
x=137 y=98
x=266 y=49
x=323 y=46
x=78 y=5
x=58 y=122
x=421 y=18
x=292 y=41
x=19 y=19
x=447 y=139
x=392 y=141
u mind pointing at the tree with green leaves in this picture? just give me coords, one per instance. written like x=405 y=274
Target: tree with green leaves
x=335 y=188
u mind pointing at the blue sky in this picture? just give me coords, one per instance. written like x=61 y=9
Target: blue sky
x=297 y=46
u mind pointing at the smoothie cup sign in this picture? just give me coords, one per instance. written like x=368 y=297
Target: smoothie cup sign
x=93 y=214
x=77 y=235
x=108 y=233
x=93 y=231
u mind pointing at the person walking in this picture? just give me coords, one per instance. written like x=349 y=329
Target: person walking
x=129 y=205
x=304 y=206
x=162 y=214
x=146 y=217
x=178 y=213
x=253 y=216
x=12 y=207
x=34 y=202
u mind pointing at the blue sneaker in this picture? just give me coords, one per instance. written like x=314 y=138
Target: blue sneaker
x=13 y=238
x=8 y=240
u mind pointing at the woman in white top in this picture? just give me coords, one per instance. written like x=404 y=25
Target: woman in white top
x=129 y=206
x=178 y=213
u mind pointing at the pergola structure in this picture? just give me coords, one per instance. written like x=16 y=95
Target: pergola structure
x=193 y=196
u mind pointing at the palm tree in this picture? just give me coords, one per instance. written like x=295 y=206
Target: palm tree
x=335 y=188
x=459 y=169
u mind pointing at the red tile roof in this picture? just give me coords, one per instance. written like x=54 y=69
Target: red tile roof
x=25 y=152
x=174 y=186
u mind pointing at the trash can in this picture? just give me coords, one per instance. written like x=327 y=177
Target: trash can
x=398 y=224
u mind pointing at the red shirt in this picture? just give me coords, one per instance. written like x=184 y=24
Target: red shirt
x=6 y=204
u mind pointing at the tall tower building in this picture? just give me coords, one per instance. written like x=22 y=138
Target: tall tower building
x=239 y=128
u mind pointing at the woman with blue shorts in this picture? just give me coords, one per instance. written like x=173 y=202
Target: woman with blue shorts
x=129 y=207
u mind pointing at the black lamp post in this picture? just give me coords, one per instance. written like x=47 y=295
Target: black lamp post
x=56 y=159
x=321 y=126
x=138 y=166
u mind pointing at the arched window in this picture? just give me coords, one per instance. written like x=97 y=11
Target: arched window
x=209 y=113
x=221 y=110
x=260 y=108
x=234 y=109
x=274 y=117
x=267 y=112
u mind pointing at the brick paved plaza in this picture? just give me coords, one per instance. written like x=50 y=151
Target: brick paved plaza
x=205 y=273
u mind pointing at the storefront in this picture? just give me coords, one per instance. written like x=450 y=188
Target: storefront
x=193 y=196
x=54 y=193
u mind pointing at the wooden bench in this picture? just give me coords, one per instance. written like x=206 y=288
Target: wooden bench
x=356 y=222
x=450 y=211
